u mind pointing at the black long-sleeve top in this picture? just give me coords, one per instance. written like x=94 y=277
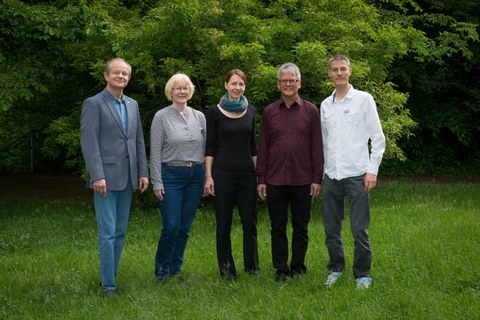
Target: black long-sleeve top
x=231 y=141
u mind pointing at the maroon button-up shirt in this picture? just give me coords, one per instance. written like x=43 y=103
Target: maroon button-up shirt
x=290 y=150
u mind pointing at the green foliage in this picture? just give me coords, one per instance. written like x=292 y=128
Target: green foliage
x=444 y=99
x=36 y=75
x=63 y=136
x=54 y=54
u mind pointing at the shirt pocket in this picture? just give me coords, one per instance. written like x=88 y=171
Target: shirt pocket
x=328 y=119
x=352 y=117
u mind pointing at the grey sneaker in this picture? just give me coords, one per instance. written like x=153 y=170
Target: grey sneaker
x=363 y=282
x=332 y=278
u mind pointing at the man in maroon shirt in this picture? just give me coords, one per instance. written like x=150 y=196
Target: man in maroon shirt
x=289 y=169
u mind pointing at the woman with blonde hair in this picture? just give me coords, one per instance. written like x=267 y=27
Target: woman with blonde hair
x=177 y=148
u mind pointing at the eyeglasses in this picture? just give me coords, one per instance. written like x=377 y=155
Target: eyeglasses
x=288 y=81
x=180 y=89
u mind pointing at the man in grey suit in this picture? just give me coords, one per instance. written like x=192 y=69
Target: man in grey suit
x=114 y=152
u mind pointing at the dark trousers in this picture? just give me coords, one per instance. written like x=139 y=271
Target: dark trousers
x=278 y=200
x=333 y=207
x=236 y=187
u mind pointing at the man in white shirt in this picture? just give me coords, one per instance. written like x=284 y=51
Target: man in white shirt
x=349 y=120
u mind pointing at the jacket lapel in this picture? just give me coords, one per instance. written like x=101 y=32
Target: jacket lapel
x=111 y=106
x=130 y=113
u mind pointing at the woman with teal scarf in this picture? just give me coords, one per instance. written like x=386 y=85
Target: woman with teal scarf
x=230 y=161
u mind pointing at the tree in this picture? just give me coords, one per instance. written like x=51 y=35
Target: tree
x=444 y=98
x=206 y=38
x=36 y=75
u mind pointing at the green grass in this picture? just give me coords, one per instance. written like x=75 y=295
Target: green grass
x=426 y=256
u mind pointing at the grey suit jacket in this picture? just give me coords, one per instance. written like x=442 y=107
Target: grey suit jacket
x=108 y=152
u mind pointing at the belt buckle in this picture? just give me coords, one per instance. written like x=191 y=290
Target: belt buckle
x=189 y=163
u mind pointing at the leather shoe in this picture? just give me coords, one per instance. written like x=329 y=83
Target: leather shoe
x=179 y=278
x=230 y=276
x=297 y=275
x=281 y=276
x=253 y=272
x=228 y=273
x=161 y=280
x=109 y=294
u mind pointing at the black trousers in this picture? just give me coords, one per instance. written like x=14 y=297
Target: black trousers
x=279 y=198
x=236 y=187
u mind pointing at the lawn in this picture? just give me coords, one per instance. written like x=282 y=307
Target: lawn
x=426 y=255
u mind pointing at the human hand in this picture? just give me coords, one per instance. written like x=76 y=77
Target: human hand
x=159 y=194
x=370 y=181
x=143 y=184
x=209 y=187
x=100 y=186
x=315 y=190
x=262 y=191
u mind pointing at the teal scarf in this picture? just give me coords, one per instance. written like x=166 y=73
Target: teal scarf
x=233 y=106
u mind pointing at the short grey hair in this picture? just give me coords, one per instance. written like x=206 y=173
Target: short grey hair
x=338 y=57
x=289 y=68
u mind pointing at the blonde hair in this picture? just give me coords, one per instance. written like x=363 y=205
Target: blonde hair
x=176 y=78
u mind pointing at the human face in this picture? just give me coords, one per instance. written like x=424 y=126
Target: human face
x=180 y=92
x=118 y=75
x=288 y=84
x=235 y=87
x=339 y=72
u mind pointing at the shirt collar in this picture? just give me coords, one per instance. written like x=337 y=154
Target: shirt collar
x=296 y=102
x=349 y=95
x=122 y=100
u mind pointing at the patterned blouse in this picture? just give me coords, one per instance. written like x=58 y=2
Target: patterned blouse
x=175 y=138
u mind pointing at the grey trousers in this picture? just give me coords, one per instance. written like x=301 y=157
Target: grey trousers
x=333 y=211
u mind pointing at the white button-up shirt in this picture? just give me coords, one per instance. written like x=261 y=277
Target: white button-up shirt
x=347 y=126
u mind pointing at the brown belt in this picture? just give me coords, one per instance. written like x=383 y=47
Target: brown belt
x=181 y=163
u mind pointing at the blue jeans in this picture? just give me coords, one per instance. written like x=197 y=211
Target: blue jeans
x=183 y=189
x=333 y=207
x=112 y=219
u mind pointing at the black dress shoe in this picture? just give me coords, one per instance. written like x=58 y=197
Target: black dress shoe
x=109 y=294
x=253 y=272
x=281 y=276
x=229 y=273
x=161 y=280
x=297 y=275
x=179 y=278
x=230 y=277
